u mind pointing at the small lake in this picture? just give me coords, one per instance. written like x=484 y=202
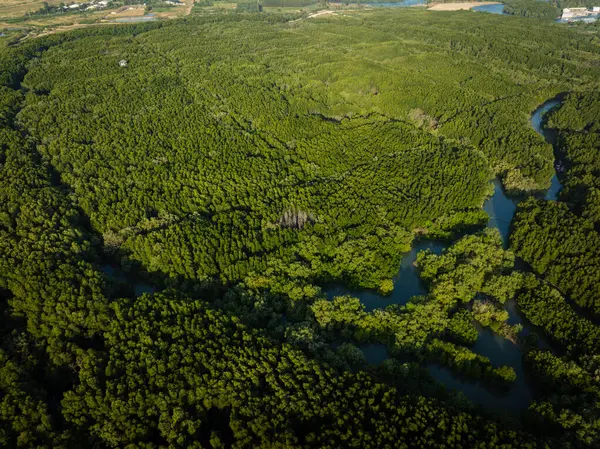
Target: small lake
x=492 y=9
x=133 y=19
x=407 y=283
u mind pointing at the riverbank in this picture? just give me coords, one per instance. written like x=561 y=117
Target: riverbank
x=458 y=6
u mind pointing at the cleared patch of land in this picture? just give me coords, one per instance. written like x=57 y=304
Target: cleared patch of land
x=224 y=5
x=321 y=13
x=127 y=11
x=458 y=6
x=174 y=12
x=17 y=8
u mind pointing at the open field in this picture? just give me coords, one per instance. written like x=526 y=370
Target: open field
x=12 y=15
x=127 y=11
x=175 y=11
x=17 y=8
x=458 y=6
x=64 y=19
x=224 y=5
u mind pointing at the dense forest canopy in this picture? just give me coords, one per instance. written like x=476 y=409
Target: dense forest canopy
x=239 y=164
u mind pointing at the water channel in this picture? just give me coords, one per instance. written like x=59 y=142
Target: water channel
x=407 y=284
x=500 y=351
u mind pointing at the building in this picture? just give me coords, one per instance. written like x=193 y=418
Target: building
x=580 y=13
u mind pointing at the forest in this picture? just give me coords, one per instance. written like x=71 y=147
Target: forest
x=170 y=228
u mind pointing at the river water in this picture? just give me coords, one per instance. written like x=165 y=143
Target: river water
x=492 y=9
x=127 y=281
x=500 y=351
x=407 y=283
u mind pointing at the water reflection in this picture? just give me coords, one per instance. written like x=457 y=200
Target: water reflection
x=117 y=274
x=407 y=282
x=501 y=209
x=477 y=393
x=375 y=354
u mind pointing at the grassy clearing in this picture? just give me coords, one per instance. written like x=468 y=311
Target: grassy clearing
x=129 y=11
x=17 y=8
x=225 y=5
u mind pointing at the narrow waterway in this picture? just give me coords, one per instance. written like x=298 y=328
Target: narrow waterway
x=407 y=283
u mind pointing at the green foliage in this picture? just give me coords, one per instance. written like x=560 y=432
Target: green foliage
x=578 y=136
x=347 y=141
x=246 y=160
x=503 y=287
x=251 y=6
x=532 y=9
x=460 y=272
x=545 y=307
x=461 y=328
x=177 y=370
x=458 y=223
x=571 y=394
x=490 y=315
x=351 y=355
x=386 y=287
x=45 y=256
x=467 y=362
x=562 y=247
x=288 y=3
x=24 y=417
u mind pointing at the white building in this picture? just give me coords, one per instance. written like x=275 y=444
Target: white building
x=580 y=13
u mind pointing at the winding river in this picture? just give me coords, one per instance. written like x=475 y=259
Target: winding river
x=500 y=351
x=407 y=284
